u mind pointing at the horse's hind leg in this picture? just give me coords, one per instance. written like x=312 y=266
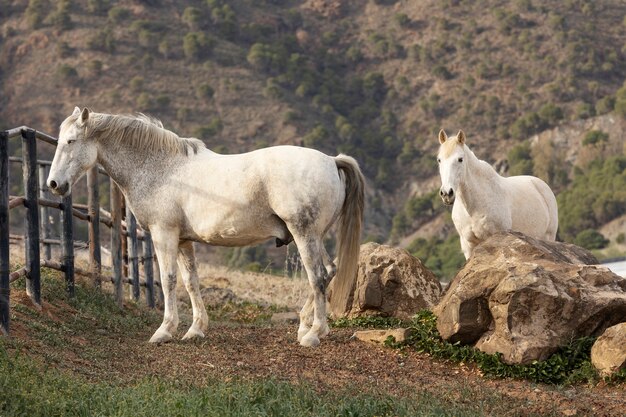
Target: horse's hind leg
x=187 y=266
x=166 y=248
x=311 y=253
x=307 y=312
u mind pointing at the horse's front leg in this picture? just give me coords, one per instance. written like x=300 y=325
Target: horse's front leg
x=166 y=248
x=187 y=266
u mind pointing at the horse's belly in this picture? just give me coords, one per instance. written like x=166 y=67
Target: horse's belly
x=235 y=230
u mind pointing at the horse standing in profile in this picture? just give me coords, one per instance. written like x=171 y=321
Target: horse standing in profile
x=182 y=192
x=486 y=203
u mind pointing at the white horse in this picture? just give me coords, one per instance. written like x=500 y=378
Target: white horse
x=182 y=192
x=486 y=203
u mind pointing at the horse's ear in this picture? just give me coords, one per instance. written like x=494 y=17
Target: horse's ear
x=76 y=111
x=84 y=116
x=442 y=136
x=461 y=137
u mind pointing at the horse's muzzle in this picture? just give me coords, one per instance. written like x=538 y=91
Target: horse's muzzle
x=448 y=201
x=59 y=189
x=447 y=197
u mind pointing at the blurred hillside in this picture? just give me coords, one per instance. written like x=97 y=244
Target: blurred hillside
x=375 y=79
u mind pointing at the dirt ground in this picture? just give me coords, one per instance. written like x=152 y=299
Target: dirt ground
x=236 y=350
x=269 y=350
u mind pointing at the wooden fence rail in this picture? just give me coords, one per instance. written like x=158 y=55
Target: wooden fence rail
x=38 y=230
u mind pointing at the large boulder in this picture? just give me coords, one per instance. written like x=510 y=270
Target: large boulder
x=608 y=353
x=390 y=282
x=525 y=298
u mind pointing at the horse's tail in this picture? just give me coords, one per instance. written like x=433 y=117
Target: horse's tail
x=349 y=233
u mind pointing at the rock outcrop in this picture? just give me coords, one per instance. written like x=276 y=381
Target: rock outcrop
x=608 y=353
x=525 y=298
x=390 y=282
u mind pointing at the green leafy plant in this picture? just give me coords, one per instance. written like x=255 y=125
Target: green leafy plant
x=568 y=365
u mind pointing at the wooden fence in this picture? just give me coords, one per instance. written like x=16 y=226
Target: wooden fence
x=126 y=237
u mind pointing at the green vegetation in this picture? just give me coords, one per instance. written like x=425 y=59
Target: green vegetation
x=197 y=46
x=442 y=256
x=34 y=13
x=67 y=72
x=590 y=239
x=597 y=195
x=569 y=365
x=505 y=75
x=60 y=394
x=520 y=160
x=595 y=136
x=61 y=18
x=118 y=14
x=33 y=384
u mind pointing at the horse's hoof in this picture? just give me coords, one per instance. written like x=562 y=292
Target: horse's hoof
x=160 y=336
x=302 y=332
x=324 y=331
x=310 y=341
x=193 y=334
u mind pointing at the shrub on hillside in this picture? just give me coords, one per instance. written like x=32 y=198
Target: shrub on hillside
x=98 y=6
x=591 y=239
x=103 y=41
x=317 y=137
x=94 y=67
x=197 y=46
x=61 y=18
x=35 y=13
x=595 y=136
x=605 y=105
x=118 y=14
x=193 y=18
x=205 y=92
x=520 y=160
x=210 y=130
x=596 y=196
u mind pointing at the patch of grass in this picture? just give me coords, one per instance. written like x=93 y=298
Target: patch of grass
x=27 y=388
x=570 y=364
x=369 y=322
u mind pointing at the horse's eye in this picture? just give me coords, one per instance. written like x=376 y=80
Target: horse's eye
x=69 y=142
x=438 y=160
x=460 y=159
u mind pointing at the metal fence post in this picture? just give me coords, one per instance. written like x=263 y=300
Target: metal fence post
x=29 y=169
x=4 y=233
x=116 y=241
x=93 y=202
x=133 y=259
x=67 y=243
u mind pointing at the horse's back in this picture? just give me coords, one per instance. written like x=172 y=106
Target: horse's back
x=255 y=190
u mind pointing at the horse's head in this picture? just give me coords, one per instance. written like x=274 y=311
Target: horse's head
x=451 y=159
x=75 y=153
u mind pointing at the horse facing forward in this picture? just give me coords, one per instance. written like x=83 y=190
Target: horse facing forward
x=182 y=192
x=486 y=203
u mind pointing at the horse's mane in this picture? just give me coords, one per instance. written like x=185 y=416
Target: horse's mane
x=139 y=131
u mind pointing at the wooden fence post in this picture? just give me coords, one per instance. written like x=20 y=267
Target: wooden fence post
x=43 y=213
x=93 y=202
x=4 y=233
x=29 y=170
x=116 y=241
x=133 y=259
x=148 y=268
x=67 y=243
